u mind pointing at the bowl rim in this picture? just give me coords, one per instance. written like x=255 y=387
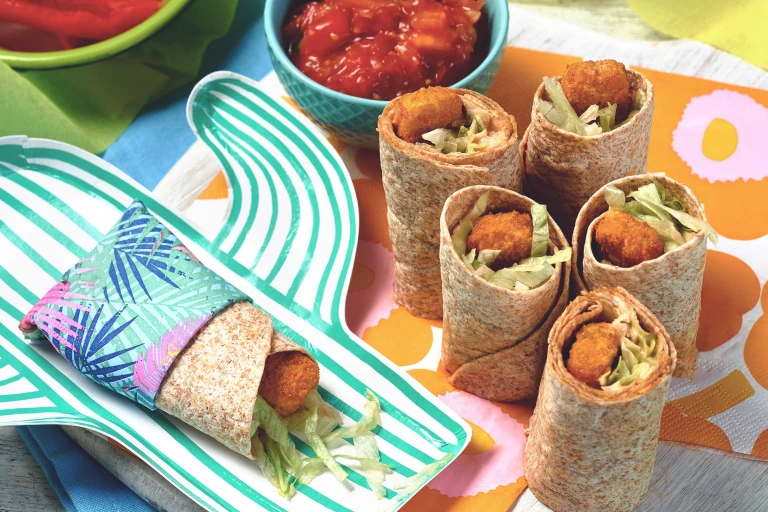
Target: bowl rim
x=273 y=43
x=97 y=51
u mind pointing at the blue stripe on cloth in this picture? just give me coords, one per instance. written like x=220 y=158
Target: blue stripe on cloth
x=81 y=483
x=160 y=135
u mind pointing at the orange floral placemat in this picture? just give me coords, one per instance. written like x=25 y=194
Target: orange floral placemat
x=710 y=136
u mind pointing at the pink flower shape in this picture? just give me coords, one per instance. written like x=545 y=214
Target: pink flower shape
x=482 y=472
x=747 y=116
x=366 y=307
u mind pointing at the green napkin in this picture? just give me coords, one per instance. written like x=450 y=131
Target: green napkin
x=736 y=27
x=89 y=106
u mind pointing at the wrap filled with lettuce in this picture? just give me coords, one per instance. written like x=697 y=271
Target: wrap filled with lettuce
x=496 y=319
x=249 y=387
x=419 y=176
x=592 y=447
x=564 y=167
x=670 y=284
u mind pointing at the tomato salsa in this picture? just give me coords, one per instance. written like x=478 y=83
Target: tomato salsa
x=380 y=49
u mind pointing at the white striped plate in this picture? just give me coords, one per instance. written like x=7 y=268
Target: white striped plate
x=288 y=241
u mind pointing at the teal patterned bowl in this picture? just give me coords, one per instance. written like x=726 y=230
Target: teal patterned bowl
x=352 y=119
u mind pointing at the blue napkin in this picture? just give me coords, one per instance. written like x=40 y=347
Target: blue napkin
x=156 y=139
x=146 y=151
x=80 y=482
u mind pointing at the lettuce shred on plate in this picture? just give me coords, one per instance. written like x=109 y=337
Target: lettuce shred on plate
x=665 y=213
x=465 y=139
x=639 y=352
x=415 y=482
x=528 y=273
x=593 y=121
x=278 y=459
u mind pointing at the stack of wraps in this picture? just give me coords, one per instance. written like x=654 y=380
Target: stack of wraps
x=417 y=181
x=670 y=285
x=589 y=449
x=495 y=339
x=563 y=169
x=143 y=317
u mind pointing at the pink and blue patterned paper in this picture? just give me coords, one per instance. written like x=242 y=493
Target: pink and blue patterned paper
x=124 y=312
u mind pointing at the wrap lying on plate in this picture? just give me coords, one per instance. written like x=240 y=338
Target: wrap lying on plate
x=566 y=159
x=236 y=357
x=141 y=316
x=505 y=278
x=434 y=142
x=593 y=435
x=664 y=270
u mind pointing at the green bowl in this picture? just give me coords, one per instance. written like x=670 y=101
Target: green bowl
x=97 y=51
x=353 y=119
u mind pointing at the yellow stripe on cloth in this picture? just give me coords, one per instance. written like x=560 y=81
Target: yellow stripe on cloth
x=719 y=397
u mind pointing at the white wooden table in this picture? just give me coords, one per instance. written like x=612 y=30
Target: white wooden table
x=684 y=480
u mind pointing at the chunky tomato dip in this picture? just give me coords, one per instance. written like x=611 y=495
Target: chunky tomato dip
x=380 y=49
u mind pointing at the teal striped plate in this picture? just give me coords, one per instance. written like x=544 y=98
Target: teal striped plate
x=288 y=241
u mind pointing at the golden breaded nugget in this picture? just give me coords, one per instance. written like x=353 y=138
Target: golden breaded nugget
x=597 y=83
x=508 y=232
x=288 y=378
x=425 y=110
x=596 y=347
x=626 y=241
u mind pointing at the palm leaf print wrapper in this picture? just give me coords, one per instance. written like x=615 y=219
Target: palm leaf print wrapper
x=141 y=316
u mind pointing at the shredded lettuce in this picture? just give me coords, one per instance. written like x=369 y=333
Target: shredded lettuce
x=593 y=121
x=665 y=213
x=321 y=450
x=572 y=123
x=415 y=482
x=368 y=456
x=639 y=354
x=488 y=256
x=531 y=276
x=525 y=275
x=271 y=422
x=540 y=239
x=607 y=118
x=462 y=231
x=550 y=112
x=285 y=489
x=277 y=457
x=328 y=417
x=466 y=140
x=368 y=422
x=311 y=469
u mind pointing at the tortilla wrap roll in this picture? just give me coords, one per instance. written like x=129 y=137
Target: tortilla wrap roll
x=142 y=316
x=494 y=338
x=418 y=178
x=591 y=449
x=214 y=382
x=563 y=169
x=669 y=285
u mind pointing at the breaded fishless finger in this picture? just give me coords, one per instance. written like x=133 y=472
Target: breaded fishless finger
x=598 y=83
x=426 y=110
x=508 y=232
x=593 y=353
x=626 y=241
x=288 y=378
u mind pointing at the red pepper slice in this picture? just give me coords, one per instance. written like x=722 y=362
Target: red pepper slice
x=88 y=19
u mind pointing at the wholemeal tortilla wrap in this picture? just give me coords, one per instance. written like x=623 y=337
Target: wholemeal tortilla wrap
x=418 y=178
x=670 y=285
x=494 y=338
x=593 y=449
x=563 y=169
x=213 y=383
